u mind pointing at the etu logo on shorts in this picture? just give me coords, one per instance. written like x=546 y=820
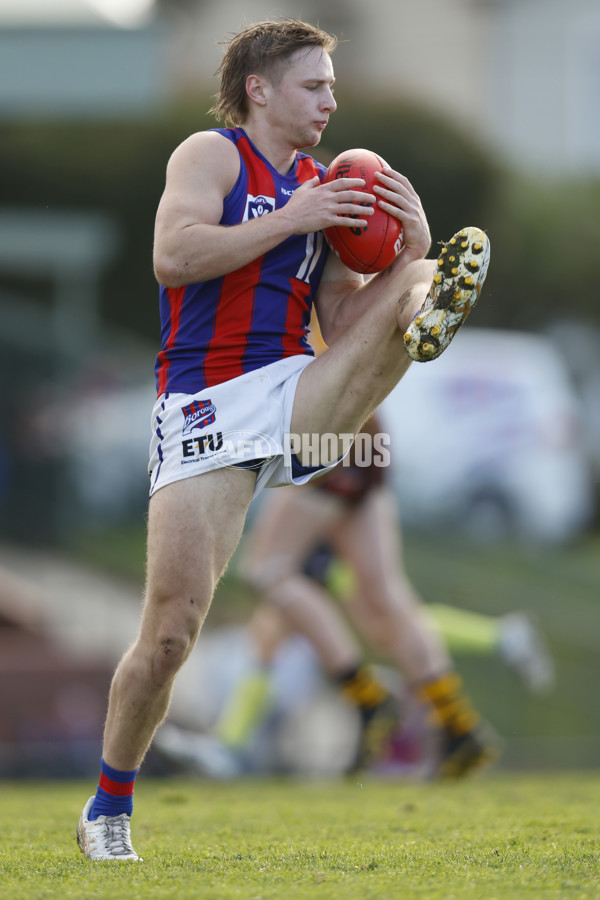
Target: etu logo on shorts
x=197 y=415
x=258 y=206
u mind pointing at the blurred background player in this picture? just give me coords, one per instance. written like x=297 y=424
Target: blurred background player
x=341 y=535
x=354 y=511
x=388 y=616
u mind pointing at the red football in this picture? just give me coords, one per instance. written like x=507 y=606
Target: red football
x=371 y=249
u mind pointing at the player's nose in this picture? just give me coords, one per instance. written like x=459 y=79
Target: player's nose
x=329 y=103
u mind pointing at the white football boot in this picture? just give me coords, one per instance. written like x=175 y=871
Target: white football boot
x=523 y=647
x=197 y=754
x=107 y=837
x=461 y=270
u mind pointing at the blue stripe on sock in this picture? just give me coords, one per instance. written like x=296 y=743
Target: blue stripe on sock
x=106 y=804
x=117 y=774
x=110 y=805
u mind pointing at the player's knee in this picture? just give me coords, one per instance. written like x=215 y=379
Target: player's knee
x=173 y=646
x=262 y=577
x=173 y=639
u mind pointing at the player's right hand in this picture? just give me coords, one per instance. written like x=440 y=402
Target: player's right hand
x=314 y=206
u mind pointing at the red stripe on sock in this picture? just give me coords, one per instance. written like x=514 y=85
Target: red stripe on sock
x=120 y=789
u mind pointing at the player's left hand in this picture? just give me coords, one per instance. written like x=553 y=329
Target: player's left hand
x=398 y=198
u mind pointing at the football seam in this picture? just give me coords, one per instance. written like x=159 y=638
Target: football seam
x=370 y=267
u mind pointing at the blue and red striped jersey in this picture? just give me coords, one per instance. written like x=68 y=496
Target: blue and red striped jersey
x=215 y=330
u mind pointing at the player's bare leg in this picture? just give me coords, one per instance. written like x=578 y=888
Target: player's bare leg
x=386 y=608
x=340 y=389
x=384 y=605
x=416 y=312
x=292 y=523
x=193 y=528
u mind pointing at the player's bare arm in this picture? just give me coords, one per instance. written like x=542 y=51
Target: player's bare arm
x=190 y=245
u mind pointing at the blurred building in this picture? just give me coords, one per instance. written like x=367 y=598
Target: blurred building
x=82 y=58
x=521 y=75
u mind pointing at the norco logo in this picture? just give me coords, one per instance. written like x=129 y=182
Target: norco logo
x=201 y=446
x=198 y=414
x=258 y=206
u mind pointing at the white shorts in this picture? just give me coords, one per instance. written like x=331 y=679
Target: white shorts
x=244 y=421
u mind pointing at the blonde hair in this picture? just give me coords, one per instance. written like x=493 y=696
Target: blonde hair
x=261 y=49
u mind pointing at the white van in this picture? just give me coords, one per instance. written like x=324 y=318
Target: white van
x=490 y=437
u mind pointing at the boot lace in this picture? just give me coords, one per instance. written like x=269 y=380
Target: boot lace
x=117 y=836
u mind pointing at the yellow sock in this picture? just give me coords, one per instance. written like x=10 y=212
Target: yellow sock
x=362 y=688
x=451 y=706
x=464 y=631
x=340 y=579
x=245 y=709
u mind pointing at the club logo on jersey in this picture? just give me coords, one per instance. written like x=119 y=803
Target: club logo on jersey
x=258 y=206
x=197 y=415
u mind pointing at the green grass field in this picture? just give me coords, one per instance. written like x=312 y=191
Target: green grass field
x=503 y=836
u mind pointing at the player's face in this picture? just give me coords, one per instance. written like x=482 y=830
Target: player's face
x=301 y=103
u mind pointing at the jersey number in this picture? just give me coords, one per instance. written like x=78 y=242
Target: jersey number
x=314 y=246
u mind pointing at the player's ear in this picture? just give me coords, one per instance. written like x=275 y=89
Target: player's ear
x=255 y=89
